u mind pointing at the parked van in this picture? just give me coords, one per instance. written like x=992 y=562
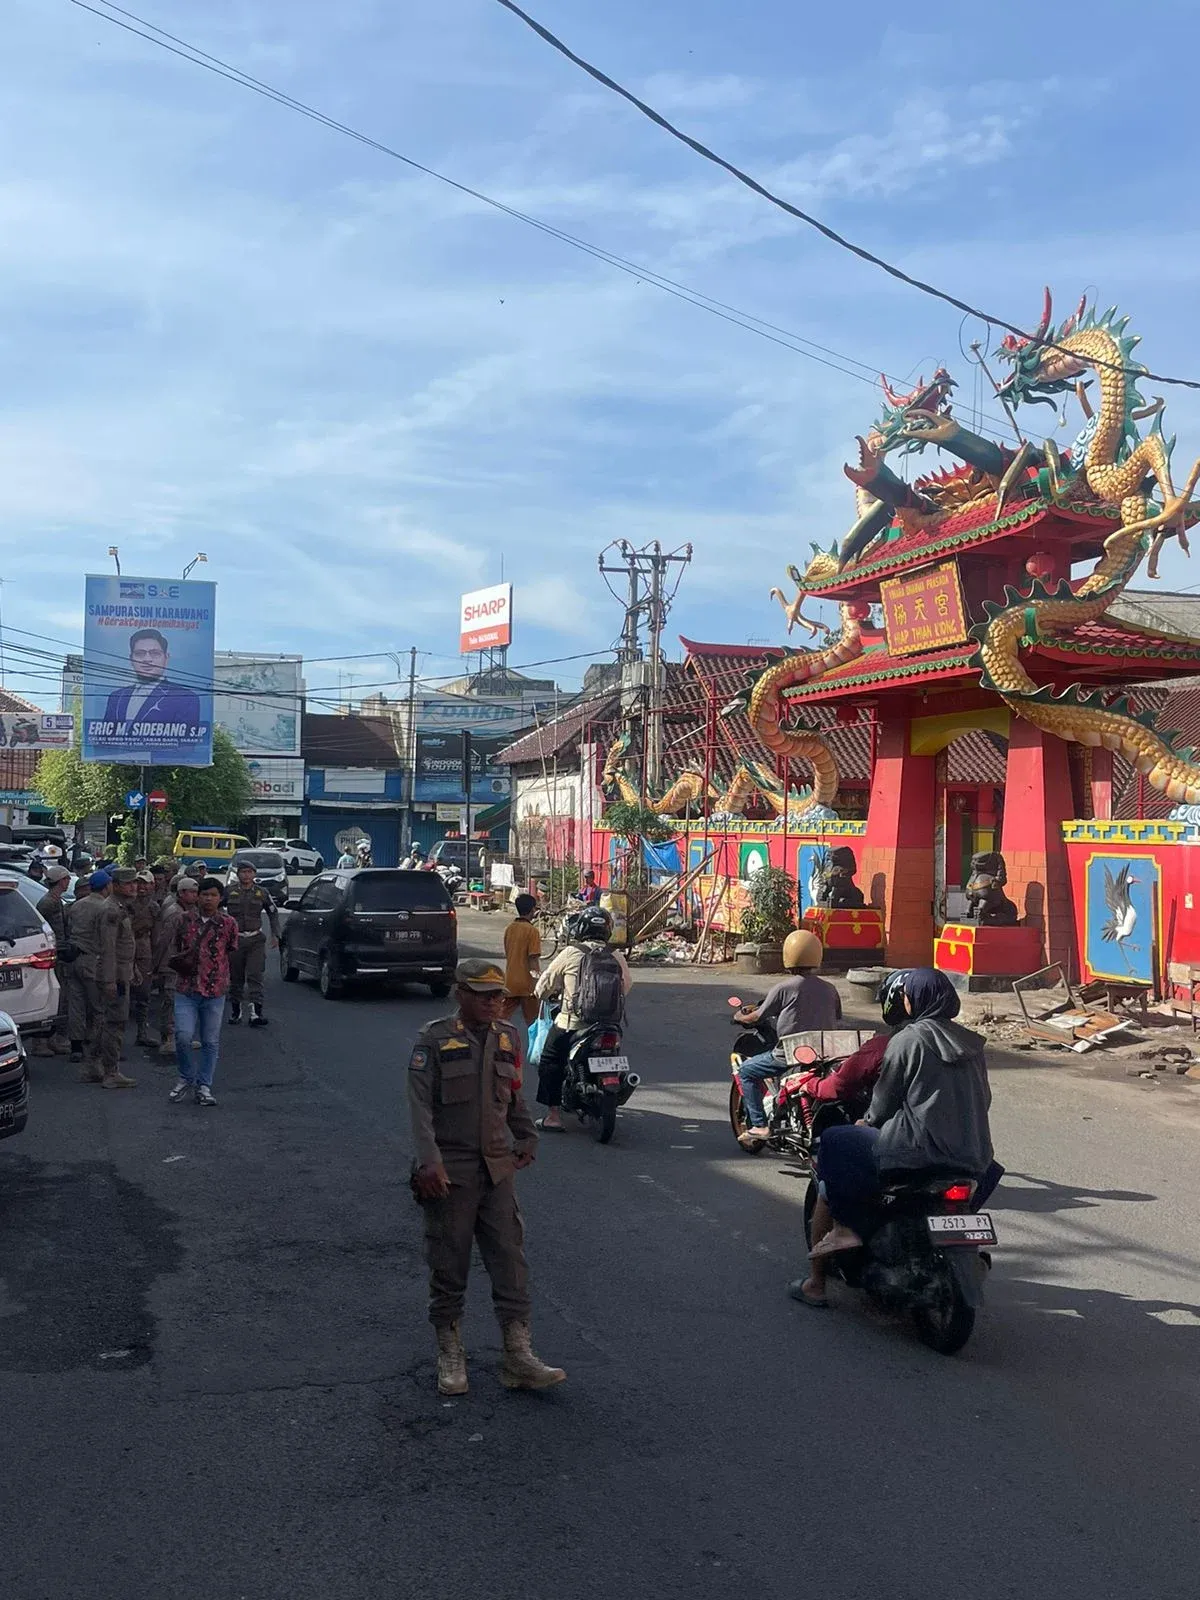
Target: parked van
x=214 y=846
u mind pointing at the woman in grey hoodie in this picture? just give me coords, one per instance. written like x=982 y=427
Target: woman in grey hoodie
x=929 y=1113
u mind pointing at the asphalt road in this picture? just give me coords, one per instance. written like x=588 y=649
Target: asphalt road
x=216 y=1377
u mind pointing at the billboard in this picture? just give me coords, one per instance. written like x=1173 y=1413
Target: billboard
x=485 y=619
x=256 y=699
x=277 y=782
x=439 y=774
x=148 y=671
x=36 y=730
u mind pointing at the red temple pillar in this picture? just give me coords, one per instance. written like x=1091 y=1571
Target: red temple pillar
x=1102 y=783
x=896 y=869
x=1037 y=801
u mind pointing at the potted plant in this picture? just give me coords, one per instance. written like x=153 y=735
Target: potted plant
x=767 y=921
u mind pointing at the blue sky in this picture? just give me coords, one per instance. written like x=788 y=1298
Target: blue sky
x=227 y=329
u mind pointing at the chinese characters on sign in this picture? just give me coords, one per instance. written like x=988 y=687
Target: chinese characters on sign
x=924 y=612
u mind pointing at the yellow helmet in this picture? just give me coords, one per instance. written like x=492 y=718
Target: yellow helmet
x=802 y=949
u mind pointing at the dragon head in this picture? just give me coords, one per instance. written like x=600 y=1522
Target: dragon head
x=1039 y=370
x=890 y=432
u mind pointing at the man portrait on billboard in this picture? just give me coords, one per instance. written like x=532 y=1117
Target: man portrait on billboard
x=152 y=697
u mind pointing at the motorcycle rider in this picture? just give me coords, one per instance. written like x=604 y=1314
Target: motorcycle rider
x=590 y=929
x=802 y=1001
x=929 y=1111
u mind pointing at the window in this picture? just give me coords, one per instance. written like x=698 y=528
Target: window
x=18 y=919
x=262 y=860
x=322 y=895
x=400 y=891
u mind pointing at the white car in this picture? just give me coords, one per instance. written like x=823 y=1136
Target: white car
x=28 y=986
x=298 y=854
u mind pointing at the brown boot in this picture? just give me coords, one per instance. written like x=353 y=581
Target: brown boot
x=41 y=1047
x=60 y=1045
x=167 y=1047
x=145 y=1040
x=519 y=1367
x=89 y=1072
x=117 y=1080
x=452 y=1361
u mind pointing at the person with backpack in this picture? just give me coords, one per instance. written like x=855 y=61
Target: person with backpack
x=589 y=981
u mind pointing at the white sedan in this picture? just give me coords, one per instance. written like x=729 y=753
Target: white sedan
x=28 y=986
x=297 y=853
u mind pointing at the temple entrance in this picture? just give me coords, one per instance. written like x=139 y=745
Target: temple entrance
x=968 y=814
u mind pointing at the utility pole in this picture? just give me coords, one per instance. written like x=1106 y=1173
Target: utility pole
x=411 y=741
x=646 y=572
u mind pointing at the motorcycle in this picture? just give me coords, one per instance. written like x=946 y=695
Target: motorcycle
x=795 y=1118
x=598 y=1080
x=928 y=1256
x=451 y=876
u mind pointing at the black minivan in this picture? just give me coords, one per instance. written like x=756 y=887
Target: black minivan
x=371 y=922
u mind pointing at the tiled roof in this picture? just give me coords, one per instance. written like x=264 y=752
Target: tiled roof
x=1178 y=713
x=602 y=711
x=11 y=703
x=335 y=741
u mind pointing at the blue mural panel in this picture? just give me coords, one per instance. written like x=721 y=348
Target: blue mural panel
x=1120 y=901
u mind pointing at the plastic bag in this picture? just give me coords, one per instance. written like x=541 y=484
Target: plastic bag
x=538 y=1029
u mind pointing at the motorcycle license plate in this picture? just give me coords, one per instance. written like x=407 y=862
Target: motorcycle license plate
x=604 y=1066
x=975 y=1228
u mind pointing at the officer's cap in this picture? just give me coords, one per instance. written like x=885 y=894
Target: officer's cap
x=56 y=874
x=100 y=880
x=480 y=976
x=145 y=876
x=123 y=875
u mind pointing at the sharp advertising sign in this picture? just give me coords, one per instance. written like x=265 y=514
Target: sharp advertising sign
x=148 y=671
x=485 y=621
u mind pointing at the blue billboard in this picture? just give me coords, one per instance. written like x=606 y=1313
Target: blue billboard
x=148 y=671
x=439 y=774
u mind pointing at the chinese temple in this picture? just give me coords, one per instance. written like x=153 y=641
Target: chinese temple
x=992 y=582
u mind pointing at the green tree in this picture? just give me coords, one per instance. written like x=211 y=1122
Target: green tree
x=771 y=914
x=219 y=794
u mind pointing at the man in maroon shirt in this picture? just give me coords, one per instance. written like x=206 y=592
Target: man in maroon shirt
x=204 y=940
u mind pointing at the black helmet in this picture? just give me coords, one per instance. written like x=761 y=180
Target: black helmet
x=890 y=995
x=591 y=923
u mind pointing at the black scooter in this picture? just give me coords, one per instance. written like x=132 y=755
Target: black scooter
x=598 y=1080
x=927 y=1255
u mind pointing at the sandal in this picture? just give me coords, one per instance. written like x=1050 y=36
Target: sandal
x=543 y=1126
x=797 y=1291
x=835 y=1241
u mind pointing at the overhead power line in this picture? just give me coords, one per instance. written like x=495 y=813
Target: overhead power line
x=764 y=329
x=803 y=216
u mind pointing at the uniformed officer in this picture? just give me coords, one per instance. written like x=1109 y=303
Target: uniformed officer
x=144 y=913
x=114 y=974
x=84 y=1003
x=54 y=913
x=473 y=1131
x=246 y=902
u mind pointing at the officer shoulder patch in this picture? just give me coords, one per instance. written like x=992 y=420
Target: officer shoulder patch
x=419 y=1060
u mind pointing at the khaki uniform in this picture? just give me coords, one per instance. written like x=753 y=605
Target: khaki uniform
x=249 y=961
x=51 y=910
x=114 y=966
x=163 y=975
x=468 y=1115
x=143 y=919
x=84 y=1001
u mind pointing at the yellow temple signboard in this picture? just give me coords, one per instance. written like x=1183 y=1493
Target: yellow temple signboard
x=924 y=612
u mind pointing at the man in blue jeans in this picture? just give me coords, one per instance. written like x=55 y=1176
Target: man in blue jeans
x=204 y=941
x=800 y=1002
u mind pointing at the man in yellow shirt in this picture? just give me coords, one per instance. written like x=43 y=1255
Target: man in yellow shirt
x=522 y=950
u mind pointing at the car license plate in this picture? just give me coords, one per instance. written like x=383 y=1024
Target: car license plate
x=8 y=1114
x=11 y=978
x=401 y=935
x=974 y=1228
x=601 y=1065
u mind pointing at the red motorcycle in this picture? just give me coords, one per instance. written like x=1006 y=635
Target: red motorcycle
x=795 y=1117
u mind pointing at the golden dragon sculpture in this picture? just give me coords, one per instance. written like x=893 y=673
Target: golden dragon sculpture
x=1115 y=467
x=686 y=792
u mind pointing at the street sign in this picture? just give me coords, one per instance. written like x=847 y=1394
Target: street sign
x=135 y=800
x=157 y=799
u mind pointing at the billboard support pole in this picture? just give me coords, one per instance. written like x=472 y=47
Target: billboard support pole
x=145 y=813
x=410 y=818
x=466 y=774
